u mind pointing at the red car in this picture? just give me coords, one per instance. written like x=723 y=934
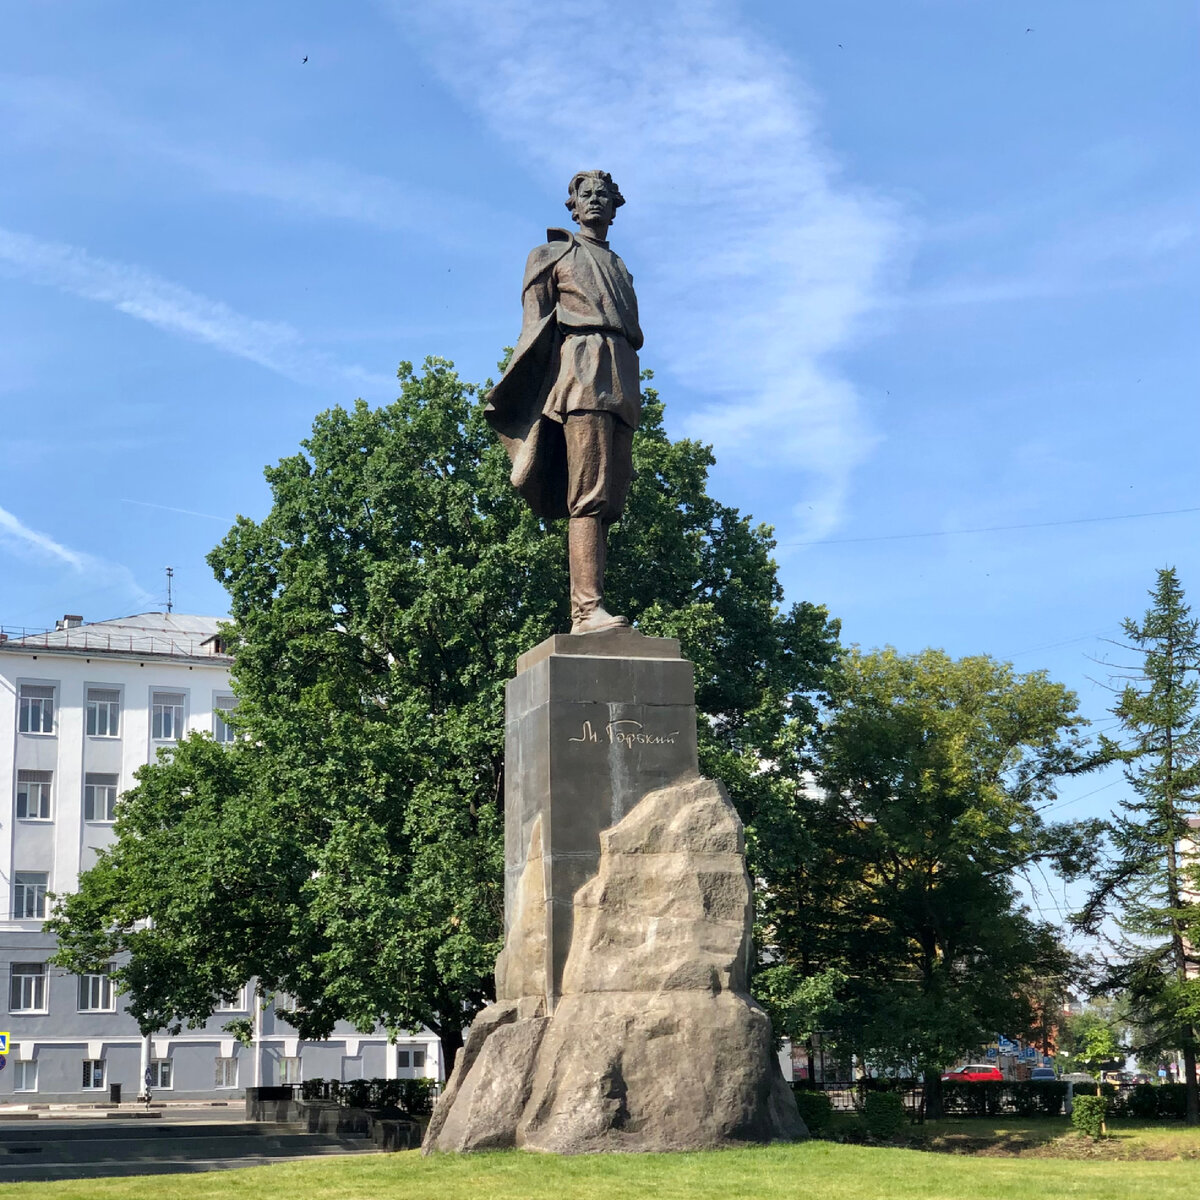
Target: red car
x=975 y=1073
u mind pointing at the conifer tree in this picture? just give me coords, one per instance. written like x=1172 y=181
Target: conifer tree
x=1144 y=885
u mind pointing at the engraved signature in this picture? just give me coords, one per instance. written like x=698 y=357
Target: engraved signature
x=614 y=733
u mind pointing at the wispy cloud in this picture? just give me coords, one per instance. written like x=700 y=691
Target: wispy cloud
x=63 y=111
x=15 y=532
x=148 y=297
x=20 y=539
x=756 y=262
x=187 y=512
x=1043 y=249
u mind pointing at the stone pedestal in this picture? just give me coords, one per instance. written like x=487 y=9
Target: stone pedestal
x=593 y=724
x=622 y=1019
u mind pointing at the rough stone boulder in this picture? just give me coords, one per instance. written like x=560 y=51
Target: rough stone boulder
x=655 y=1043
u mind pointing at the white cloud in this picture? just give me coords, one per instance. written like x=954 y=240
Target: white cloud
x=60 y=110
x=756 y=263
x=101 y=574
x=13 y=531
x=148 y=297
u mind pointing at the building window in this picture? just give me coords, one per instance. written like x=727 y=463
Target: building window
x=418 y=1059
x=96 y=991
x=29 y=895
x=166 y=716
x=27 y=990
x=222 y=730
x=226 y=1075
x=93 y=1073
x=289 y=1070
x=160 y=1074
x=237 y=1004
x=25 y=1075
x=33 y=795
x=103 y=712
x=415 y=1058
x=99 y=797
x=36 y=710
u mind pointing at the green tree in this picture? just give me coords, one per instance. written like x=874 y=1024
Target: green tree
x=1093 y=1038
x=347 y=849
x=930 y=776
x=1145 y=883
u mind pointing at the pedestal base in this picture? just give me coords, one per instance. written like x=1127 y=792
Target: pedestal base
x=654 y=1043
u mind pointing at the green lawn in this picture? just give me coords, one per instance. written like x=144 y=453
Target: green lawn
x=810 y=1171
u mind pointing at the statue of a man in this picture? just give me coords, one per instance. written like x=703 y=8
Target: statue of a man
x=571 y=397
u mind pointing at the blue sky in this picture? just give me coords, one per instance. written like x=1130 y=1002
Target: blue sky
x=916 y=270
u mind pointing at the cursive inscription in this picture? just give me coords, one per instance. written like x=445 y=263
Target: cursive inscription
x=620 y=733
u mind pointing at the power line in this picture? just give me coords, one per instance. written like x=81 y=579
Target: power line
x=895 y=537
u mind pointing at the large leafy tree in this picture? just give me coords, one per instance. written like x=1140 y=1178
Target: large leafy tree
x=1147 y=883
x=347 y=849
x=923 y=807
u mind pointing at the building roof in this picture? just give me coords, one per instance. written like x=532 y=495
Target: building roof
x=172 y=635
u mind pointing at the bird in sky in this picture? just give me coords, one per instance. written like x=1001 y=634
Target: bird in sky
x=305 y=58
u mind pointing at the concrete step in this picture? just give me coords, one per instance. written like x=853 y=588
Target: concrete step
x=136 y=1130
x=91 y=1147
x=28 y=1172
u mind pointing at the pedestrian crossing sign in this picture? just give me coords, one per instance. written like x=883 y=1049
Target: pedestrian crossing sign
x=3 y=1043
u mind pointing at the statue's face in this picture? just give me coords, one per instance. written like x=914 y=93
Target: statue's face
x=593 y=201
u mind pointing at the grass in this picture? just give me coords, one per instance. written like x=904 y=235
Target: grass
x=810 y=1171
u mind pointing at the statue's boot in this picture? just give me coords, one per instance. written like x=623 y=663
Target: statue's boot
x=586 y=539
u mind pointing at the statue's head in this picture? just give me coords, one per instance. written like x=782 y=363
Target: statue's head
x=588 y=187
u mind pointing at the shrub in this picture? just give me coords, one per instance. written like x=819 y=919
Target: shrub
x=1088 y=1115
x=816 y=1109
x=1142 y=1102
x=883 y=1113
x=1038 y=1097
x=1171 y=1099
x=415 y=1096
x=1085 y=1089
x=973 y=1099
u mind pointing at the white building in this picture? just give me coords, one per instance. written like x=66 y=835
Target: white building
x=81 y=708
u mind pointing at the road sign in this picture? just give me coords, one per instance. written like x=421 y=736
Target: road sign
x=148 y=1077
x=3 y=1043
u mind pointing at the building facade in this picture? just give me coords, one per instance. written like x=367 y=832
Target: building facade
x=81 y=708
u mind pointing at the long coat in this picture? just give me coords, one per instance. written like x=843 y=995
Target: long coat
x=520 y=407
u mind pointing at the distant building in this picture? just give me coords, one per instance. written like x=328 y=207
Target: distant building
x=81 y=708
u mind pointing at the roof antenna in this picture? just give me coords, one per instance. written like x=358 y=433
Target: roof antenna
x=170 y=576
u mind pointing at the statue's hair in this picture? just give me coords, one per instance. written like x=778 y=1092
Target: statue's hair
x=604 y=177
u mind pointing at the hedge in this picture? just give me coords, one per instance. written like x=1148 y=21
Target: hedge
x=816 y=1108
x=1088 y=1115
x=413 y=1096
x=883 y=1113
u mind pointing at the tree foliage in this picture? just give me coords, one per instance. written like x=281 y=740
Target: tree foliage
x=923 y=805
x=347 y=849
x=1149 y=882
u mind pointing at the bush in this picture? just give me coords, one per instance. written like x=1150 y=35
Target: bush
x=1171 y=1099
x=1141 y=1101
x=1038 y=1097
x=816 y=1109
x=1085 y=1089
x=973 y=1099
x=415 y=1096
x=1088 y=1115
x=883 y=1113
x=412 y=1096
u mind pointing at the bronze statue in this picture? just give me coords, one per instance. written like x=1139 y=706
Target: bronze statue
x=571 y=397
